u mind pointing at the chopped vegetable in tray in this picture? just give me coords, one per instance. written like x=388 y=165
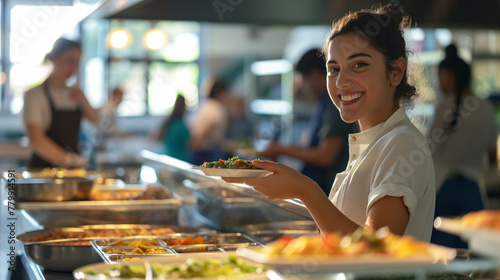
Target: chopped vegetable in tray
x=141 y=250
x=232 y=163
x=133 y=242
x=186 y=241
x=229 y=266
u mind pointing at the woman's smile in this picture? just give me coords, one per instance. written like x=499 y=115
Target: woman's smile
x=349 y=98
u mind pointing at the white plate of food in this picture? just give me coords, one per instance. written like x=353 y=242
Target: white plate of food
x=232 y=167
x=480 y=229
x=311 y=253
x=441 y=255
x=217 y=265
x=226 y=172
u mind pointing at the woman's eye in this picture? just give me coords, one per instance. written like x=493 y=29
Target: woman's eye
x=333 y=70
x=360 y=64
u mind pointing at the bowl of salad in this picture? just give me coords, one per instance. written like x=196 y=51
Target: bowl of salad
x=182 y=266
x=232 y=167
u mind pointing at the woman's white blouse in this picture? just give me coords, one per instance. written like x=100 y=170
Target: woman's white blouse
x=36 y=110
x=390 y=159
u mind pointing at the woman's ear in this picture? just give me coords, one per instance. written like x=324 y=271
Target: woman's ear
x=399 y=67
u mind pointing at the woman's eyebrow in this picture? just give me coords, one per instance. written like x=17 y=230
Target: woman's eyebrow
x=358 y=55
x=350 y=57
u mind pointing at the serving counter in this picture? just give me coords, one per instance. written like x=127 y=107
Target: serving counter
x=208 y=202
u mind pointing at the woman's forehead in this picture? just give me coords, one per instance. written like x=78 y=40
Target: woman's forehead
x=347 y=44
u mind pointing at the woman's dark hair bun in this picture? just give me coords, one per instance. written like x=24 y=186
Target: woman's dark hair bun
x=451 y=51
x=397 y=15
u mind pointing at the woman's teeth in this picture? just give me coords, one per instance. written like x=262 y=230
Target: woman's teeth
x=350 y=97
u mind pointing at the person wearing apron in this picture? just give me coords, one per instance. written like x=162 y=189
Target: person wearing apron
x=63 y=130
x=389 y=181
x=52 y=112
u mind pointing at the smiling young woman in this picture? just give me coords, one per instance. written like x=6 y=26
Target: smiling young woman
x=358 y=83
x=389 y=180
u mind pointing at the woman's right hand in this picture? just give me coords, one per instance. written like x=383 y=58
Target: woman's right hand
x=74 y=160
x=284 y=183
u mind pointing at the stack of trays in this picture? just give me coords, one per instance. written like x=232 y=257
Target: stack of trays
x=116 y=250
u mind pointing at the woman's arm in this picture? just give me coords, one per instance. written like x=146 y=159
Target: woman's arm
x=288 y=183
x=389 y=211
x=50 y=151
x=90 y=113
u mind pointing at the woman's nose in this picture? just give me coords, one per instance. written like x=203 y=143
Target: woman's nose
x=343 y=80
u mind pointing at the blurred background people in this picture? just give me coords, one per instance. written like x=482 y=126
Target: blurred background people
x=327 y=151
x=53 y=111
x=240 y=129
x=208 y=125
x=463 y=141
x=108 y=124
x=174 y=134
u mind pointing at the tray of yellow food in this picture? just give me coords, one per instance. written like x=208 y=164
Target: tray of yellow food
x=359 y=250
x=116 y=250
x=481 y=229
x=232 y=167
x=178 y=243
x=187 y=266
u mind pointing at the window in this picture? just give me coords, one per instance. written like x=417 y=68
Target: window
x=33 y=30
x=151 y=61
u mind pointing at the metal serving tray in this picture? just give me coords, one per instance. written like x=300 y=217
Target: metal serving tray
x=58 y=256
x=269 y=232
x=53 y=189
x=212 y=238
x=269 y=236
x=214 y=242
x=225 y=207
x=279 y=226
x=76 y=213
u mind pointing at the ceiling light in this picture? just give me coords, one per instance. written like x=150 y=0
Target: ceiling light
x=155 y=39
x=119 y=39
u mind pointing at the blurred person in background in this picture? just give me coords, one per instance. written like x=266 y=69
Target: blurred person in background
x=174 y=134
x=240 y=129
x=326 y=153
x=463 y=142
x=53 y=111
x=208 y=125
x=108 y=116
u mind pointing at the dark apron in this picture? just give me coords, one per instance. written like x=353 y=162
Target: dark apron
x=63 y=130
